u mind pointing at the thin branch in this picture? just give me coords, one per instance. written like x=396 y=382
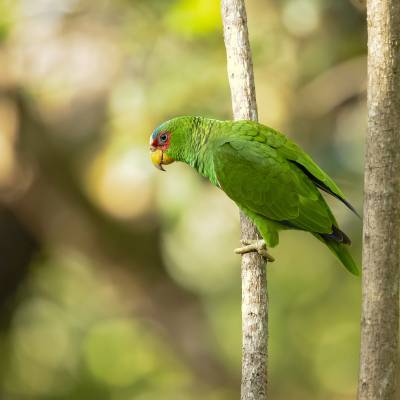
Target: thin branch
x=379 y=366
x=254 y=280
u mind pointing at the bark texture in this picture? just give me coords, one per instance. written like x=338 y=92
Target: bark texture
x=254 y=280
x=381 y=250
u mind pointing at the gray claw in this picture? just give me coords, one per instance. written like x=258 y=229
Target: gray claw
x=258 y=246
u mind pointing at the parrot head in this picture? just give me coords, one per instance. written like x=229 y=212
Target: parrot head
x=160 y=141
x=166 y=143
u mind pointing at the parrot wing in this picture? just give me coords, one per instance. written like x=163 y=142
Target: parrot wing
x=257 y=177
x=293 y=153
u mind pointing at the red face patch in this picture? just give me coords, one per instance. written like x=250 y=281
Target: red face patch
x=162 y=141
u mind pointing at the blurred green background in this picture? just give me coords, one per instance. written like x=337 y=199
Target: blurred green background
x=117 y=281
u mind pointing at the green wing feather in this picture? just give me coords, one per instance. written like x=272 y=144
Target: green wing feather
x=288 y=151
x=257 y=177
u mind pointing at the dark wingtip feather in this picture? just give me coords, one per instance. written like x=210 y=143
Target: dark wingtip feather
x=321 y=185
x=348 y=205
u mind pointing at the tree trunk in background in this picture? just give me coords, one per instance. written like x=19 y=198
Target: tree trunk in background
x=254 y=280
x=381 y=250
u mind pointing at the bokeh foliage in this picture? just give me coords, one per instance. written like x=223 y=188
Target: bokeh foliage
x=118 y=281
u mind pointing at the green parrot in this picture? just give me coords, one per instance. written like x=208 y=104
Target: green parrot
x=271 y=179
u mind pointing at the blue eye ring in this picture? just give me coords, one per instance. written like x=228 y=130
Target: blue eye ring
x=163 y=138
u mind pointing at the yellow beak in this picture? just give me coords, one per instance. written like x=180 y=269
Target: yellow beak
x=159 y=158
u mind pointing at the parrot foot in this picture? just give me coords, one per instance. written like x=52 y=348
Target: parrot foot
x=258 y=246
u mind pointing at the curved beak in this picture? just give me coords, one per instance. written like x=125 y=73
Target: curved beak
x=159 y=158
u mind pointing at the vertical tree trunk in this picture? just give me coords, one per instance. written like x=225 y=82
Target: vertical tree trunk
x=254 y=280
x=381 y=251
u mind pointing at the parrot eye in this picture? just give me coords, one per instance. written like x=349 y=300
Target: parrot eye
x=163 y=138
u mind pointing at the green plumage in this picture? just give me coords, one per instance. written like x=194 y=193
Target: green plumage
x=270 y=178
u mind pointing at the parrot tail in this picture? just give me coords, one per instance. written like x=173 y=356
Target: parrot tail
x=341 y=251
